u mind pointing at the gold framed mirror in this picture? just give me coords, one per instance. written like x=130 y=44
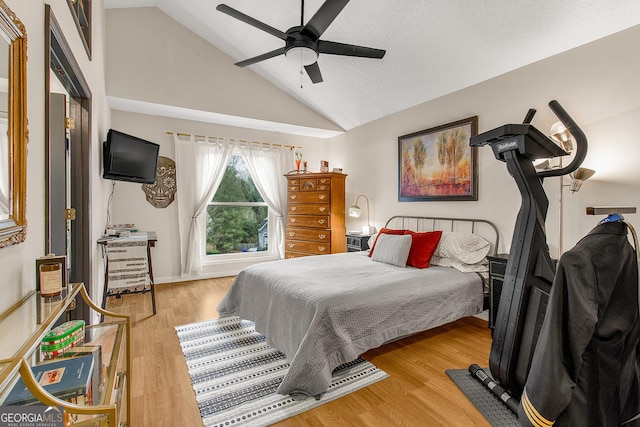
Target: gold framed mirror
x=13 y=128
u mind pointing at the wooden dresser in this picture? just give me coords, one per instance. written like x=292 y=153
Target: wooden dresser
x=315 y=214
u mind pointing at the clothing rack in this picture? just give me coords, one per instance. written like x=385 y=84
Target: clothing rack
x=231 y=139
x=615 y=213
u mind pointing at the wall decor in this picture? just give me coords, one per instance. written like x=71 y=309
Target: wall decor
x=162 y=192
x=437 y=164
x=13 y=143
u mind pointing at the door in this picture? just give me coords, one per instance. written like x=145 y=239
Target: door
x=77 y=175
x=58 y=183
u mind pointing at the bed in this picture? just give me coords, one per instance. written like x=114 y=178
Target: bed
x=323 y=311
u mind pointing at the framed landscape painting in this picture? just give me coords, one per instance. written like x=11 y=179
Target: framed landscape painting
x=438 y=163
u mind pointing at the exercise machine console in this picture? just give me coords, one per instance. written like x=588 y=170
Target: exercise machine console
x=530 y=270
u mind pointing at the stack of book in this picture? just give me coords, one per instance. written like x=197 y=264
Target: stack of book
x=69 y=378
x=121 y=229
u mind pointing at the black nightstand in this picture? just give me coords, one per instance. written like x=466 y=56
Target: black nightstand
x=497 y=270
x=357 y=242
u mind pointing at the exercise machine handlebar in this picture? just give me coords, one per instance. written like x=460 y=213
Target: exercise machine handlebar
x=576 y=132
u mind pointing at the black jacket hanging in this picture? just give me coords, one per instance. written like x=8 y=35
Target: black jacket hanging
x=585 y=369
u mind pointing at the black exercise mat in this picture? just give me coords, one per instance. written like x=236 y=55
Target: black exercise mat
x=489 y=405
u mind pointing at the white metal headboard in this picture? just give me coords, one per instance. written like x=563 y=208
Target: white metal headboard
x=482 y=227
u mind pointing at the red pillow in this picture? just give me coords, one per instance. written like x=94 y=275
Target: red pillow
x=385 y=231
x=423 y=246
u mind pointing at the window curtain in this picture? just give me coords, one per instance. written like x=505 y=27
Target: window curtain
x=267 y=165
x=200 y=167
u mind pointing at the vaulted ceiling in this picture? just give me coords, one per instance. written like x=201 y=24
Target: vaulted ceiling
x=432 y=47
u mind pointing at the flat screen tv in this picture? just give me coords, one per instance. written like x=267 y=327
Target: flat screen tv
x=128 y=158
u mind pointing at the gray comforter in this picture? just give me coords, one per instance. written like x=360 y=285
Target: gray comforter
x=323 y=311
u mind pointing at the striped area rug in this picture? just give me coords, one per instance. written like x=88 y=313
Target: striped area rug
x=235 y=375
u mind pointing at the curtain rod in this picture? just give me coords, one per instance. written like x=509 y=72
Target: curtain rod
x=240 y=140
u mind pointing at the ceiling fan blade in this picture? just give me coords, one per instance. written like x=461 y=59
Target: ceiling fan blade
x=324 y=17
x=251 y=21
x=334 y=48
x=259 y=58
x=314 y=72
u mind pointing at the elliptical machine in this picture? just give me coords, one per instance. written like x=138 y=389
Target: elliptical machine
x=530 y=270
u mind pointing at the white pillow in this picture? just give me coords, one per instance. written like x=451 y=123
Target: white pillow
x=392 y=249
x=465 y=248
x=479 y=267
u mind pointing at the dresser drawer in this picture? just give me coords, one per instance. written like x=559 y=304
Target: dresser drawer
x=307 y=247
x=316 y=221
x=322 y=236
x=289 y=254
x=308 y=184
x=313 y=184
x=357 y=242
x=323 y=184
x=309 y=196
x=309 y=208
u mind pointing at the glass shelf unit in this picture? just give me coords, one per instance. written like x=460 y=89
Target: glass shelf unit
x=21 y=330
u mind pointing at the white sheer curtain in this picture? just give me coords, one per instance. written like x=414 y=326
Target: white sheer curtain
x=267 y=165
x=200 y=167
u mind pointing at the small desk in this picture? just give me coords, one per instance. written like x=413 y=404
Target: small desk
x=152 y=238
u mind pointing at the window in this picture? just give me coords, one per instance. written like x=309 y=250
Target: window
x=237 y=217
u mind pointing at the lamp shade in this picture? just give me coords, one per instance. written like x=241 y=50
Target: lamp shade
x=578 y=176
x=355 y=211
x=560 y=133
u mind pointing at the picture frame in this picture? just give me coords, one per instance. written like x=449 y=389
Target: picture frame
x=437 y=164
x=60 y=260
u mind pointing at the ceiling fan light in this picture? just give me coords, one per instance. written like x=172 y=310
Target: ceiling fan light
x=301 y=55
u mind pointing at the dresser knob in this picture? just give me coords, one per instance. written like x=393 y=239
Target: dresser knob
x=322 y=236
x=292 y=245
x=322 y=209
x=292 y=233
x=322 y=248
x=293 y=197
x=293 y=208
x=321 y=221
x=292 y=219
x=322 y=187
x=321 y=196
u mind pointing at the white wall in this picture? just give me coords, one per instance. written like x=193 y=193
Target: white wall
x=596 y=83
x=155 y=59
x=17 y=262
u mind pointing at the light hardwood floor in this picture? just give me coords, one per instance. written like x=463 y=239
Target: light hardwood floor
x=416 y=393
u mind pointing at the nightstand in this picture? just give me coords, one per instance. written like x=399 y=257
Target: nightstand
x=357 y=242
x=497 y=270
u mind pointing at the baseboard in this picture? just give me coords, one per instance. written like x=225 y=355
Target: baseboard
x=484 y=315
x=175 y=279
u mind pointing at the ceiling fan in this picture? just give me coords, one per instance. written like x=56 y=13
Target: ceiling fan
x=302 y=43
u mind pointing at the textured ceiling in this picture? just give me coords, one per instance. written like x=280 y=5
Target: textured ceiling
x=433 y=47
